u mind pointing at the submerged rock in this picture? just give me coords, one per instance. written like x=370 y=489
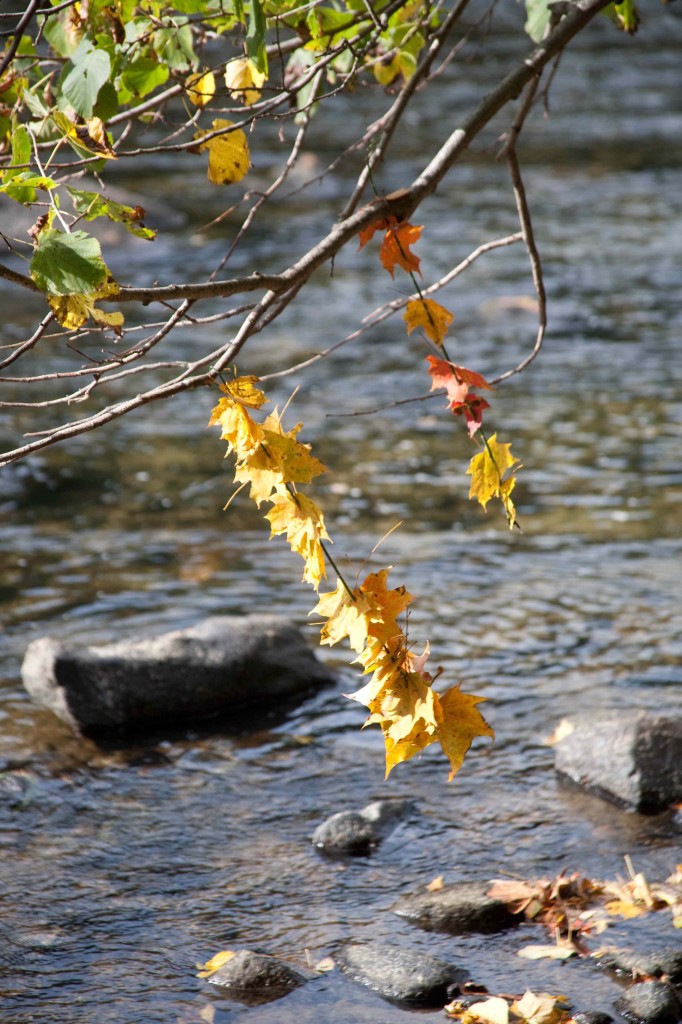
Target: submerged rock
x=663 y=962
x=223 y=664
x=457 y=908
x=650 y=1002
x=402 y=975
x=255 y=978
x=634 y=759
x=359 y=832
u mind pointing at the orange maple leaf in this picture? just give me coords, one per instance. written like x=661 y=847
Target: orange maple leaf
x=368 y=233
x=395 y=249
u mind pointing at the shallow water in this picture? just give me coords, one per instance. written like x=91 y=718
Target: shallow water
x=122 y=868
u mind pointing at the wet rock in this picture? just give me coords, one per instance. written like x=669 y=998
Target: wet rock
x=667 y=961
x=457 y=908
x=359 y=832
x=402 y=975
x=206 y=671
x=255 y=978
x=650 y=1002
x=632 y=758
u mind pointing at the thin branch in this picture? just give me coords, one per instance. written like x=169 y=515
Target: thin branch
x=387 y=310
x=10 y=53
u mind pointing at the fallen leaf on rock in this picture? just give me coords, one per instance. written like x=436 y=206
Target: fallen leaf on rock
x=541 y=1008
x=489 y=1011
x=436 y=885
x=214 y=964
x=325 y=964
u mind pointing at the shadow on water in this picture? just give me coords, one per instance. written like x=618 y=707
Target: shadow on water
x=124 y=866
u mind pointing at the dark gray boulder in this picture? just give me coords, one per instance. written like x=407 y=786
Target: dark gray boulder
x=663 y=962
x=650 y=1002
x=633 y=758
x=225 y=663
x=457 y=908
x=359 y=832
x=255 y=978
x=402 y=975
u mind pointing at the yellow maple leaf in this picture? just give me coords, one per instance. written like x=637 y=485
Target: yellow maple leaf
x=433 y=319
x=279 y=459
x=346 y=615
x=302 y=522
x=459 y=722
x=492 y=476
x=385 y=604
x=243 y=78
x=200 y=88
x=228 y=154
x=244 y=390
x=241 y=432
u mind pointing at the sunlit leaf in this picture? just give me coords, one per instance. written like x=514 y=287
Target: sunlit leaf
x=200 y=88
x=433 y=318
x=243 y=78
x=228 y=154
x=67 y=263
x=214 y=964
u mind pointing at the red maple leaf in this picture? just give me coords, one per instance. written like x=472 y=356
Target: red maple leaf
x=472 y=408
x=443 y=375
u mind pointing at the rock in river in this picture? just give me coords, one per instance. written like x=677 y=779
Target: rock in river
x=401 y=975
x=663 y=962
x=225 y=663
x=650 y=1002
x=359 y=832
x=255 y=978
x=457 y=908
x=634 y=758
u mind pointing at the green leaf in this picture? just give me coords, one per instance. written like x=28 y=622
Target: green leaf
x=141 y=77
x=91 y=205
x=91 y=69
x=537 y=20
x=174 y=47
x=107 y=102
x=625 y=15
x=68 y=264
x=24 y=184
x=22 y=150
x=255 y=35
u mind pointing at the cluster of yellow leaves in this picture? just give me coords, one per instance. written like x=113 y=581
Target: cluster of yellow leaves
x=242 y=79
x=399 y=694
x=532 y=1007
x=272 y=461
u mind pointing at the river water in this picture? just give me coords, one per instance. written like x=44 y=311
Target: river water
x=122 y=868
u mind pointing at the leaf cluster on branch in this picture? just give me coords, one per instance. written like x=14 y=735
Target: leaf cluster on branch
x=86 y=85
